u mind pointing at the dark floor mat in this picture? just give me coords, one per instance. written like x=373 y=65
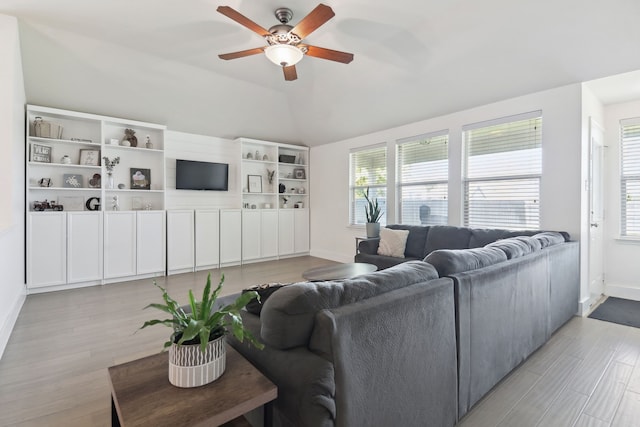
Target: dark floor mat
x=618 y=310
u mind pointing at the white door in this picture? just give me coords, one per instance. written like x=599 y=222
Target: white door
x=251 y=225
x=230 y=236
x=180 y=241
x=596 y=182
x=46 y=249
x=119 y=244
x=84 y=247
x=269 y=234
x=207 y=239
x=301 y=230
x=151 y=241
x=285 y=232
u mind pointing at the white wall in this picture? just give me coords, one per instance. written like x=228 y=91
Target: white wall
x=187 y=146
x=12 y=127
x=622 y=266
x=560 y=204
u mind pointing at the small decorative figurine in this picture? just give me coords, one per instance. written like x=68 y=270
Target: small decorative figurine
x=114 y=204
x=148 y=144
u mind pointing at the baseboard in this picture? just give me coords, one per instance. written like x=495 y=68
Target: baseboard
x=10 y=321
x=622 y=291
x=332 y=256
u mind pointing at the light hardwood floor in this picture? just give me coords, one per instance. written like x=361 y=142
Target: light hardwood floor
x=54 y=370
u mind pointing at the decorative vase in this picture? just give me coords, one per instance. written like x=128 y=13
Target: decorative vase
x=373 y=230
x=190 y=367
x=109 y=180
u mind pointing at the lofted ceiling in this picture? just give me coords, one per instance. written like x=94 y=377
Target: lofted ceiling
x=156 y=60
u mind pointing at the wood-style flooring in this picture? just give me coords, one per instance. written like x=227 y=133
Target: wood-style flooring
x=54 y=369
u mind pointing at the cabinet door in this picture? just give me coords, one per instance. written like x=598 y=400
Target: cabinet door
x=207 y=239
x=46 y=249
x=84 y=246
x=285 y=232
x=251 y=225
x=151 y=241
x=301 y=230
x=269 y=234
x=180 y=241
x=230 y=236
x=119 y=244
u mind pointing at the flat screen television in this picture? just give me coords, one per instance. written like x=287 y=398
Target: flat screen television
x=195 y=175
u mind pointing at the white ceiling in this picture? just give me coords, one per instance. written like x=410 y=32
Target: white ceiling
x=156 y=60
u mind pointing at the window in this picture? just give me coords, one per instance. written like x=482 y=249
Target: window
x=630 y=178
x=368 y=170
x=422 y=179
x=501 y=172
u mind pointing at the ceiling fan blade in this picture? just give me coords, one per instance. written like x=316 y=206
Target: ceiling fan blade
x=318 y=16
x=290 y=73
x=242 y=20
x=331 y=55
x=242 y=53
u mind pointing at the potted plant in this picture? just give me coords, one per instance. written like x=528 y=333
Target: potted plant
x=373 y=213
x=197 y=353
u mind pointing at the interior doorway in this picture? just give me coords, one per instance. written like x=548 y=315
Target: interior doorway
x=596 y=207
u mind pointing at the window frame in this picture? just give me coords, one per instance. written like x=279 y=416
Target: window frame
x=624 y=179
x=353 y=188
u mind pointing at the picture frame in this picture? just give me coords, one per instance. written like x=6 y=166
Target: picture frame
x=140 y=178
x=254 y=183
x=89 y=157
x=299 y=173
x=72 y=180
x=40 y=153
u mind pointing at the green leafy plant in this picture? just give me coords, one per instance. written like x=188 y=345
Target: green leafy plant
x=203 y=324
x=372 y=210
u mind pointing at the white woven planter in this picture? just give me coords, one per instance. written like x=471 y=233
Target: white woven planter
x=190 y=367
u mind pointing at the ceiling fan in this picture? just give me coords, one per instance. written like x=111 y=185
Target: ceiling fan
x=285 y=47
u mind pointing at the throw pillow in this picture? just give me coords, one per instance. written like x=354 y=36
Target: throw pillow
x=392 y=242
x=264 y=291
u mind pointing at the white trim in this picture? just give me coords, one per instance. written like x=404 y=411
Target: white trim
x=502 y=120
x=428 y=135
x=622 y=291
x=368 y=147
x=10 y=321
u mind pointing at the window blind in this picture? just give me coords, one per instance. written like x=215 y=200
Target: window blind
x=502 y=170
x=422 y=179
x=630 y=178
x=368 y=169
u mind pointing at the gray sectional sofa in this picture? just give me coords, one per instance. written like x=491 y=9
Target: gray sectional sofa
x=418 y=343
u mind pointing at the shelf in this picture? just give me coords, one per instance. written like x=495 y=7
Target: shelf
x=123 y=148
x=293 y=194
x=292 y=179
x=63 y=189
x=63 y=141
x=64 y=165
x=265 y=162
x=259 y=194
x=128 y=190
x=292 y=165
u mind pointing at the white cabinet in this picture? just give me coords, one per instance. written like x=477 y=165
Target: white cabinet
x=207 y=237
x=151 y=241
x=46 y=249
x=301 y=230
x=84 y=247
x=119 y=244
x=285 y=232
x=180 y=241
x=230 y=236
x=259 y=234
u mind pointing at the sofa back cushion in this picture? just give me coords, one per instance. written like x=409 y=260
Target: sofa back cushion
x=287 y=318
x=452 y=261
x=515 y=247
x=550 y=238
x=483 y=236
x=447 y=237
x=416 y=240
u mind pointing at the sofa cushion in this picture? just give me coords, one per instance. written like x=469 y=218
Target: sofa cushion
x=288 y=315
x=513 y=247
x=392 y=242
x=416 y=240
x=447 y=237
x=483 y=236
x=532 y=242
x=549 y=238
x=452 y=261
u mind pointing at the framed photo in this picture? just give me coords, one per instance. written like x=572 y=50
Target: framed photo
x=140 y=178
x=299 y=173
x=95 y=181
x=90 y=157
x=255 y=183
x=40 y=153
x=72 y=180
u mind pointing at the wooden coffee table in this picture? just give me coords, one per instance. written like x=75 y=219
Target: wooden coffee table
x=141 y=394
x=339 y=271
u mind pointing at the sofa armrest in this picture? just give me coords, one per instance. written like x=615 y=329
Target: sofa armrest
x=369 y=246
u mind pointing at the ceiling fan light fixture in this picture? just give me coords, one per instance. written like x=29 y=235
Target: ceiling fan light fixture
x=283 y=55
